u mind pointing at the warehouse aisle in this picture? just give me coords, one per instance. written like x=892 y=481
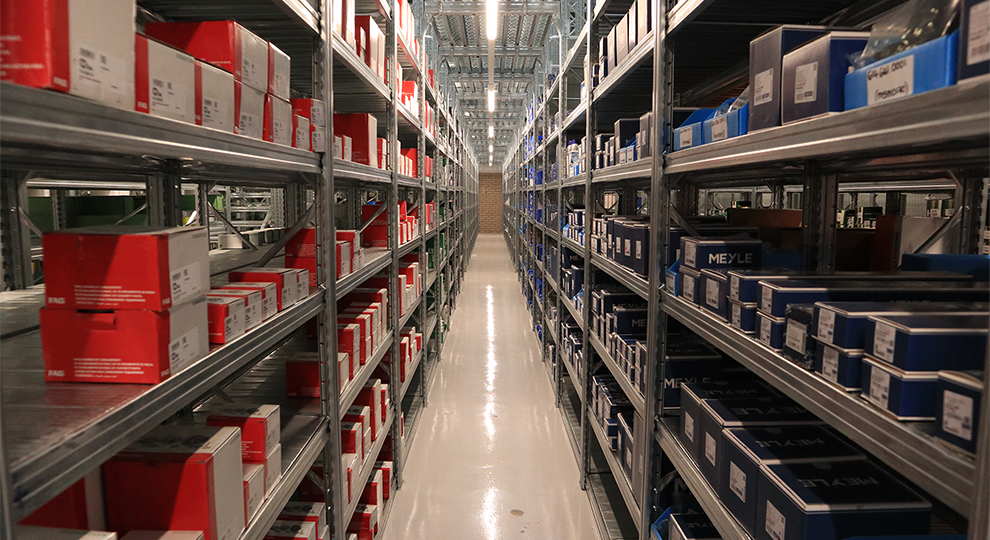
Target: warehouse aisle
x=491 y=459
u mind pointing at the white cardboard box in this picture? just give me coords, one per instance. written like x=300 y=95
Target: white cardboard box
x=294 y=530
x=254 y=489
x=252 y=304
x=163 y=535
x=164 y=81
x=300 y=130
x=278 y=121
x=24 y=532
x=249 y=110
x=278 y=72
x=214 y=98
x=273 y=469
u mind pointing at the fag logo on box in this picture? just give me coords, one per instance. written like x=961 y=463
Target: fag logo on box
x=110 y=267
x=260 y=427
x=302 y=376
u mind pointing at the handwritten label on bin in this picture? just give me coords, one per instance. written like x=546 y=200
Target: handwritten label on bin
x=891 y=80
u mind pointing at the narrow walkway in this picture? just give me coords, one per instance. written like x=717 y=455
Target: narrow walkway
x=491 y=459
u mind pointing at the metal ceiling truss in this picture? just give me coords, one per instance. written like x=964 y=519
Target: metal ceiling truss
x=478 y=7
x=483 y=51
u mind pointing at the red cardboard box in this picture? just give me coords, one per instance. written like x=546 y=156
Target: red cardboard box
x=302 y=377
x=300 y=130
x=311 y=109
x=384 y=400
x=214 y=98
x=343 y=20
x=362 y=128
x=302 y=244
x=285 y=281
x=371 y=396
x=81 y=47
x=304 y=263
x=110 y=267
x=260 y=427
x=304 y=279
x=366 y=323
x=254 y=489
x=366 y=418
x=352 y=438
x=79 y=507
x=278 y=121
x=314 y=513
x=345 y=258
x=225 y=44
x=364 y=523
x=278 y=72
x=269 y=294
x=349 y=341
x=252 y=304
x=227 y=319
x=249 y=111
x=382 y=149
x=373 y=45
x=123 y=346
x=178 y=478
x=291 y=530
x=164 y=81
x=373 y=490
x=386 y=468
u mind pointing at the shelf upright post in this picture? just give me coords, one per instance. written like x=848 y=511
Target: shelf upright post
x=326 y=274
x=165 y=195
x=392 y=60
x=590 y=126
x=16 y=244
x=421 y=174
x=970 y=195
x=560 y=114
x=819 y=201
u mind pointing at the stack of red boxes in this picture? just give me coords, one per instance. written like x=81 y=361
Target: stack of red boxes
x=343 y=20
x=124 y=304
x=291 y=284
x=376 y=233
x=311 y=115
x=300 y=252
x=362 y=128
x=261 y=106
x=383 y=154
x=409 y=96
x=260 y=427
x=306 y=512
x=371 y=45
x=364 y=523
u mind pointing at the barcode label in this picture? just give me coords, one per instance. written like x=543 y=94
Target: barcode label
x=978 y=42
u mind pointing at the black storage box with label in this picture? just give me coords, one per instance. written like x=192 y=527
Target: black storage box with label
x=814 y=75
x=732 y=252
x=908 y=395
x=742 y=315
x=799 y=343
x=775 y=296
x=974 y=42
x=766 y=54
x=839 y=366
x=926 y=342
x=714 y=289
x=844 y=324
x=957 y=408
x=693 y=394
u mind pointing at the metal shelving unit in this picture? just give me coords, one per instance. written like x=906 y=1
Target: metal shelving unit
x=54 y=434
x=934 y=141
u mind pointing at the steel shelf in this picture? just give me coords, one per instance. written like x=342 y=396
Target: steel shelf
x=409 y=181
x=636 y=59
x=349 y=170
x=406 y=57
x=621 y=480
x=941 y=472
x=572 y=419
x=957 y=115
x=345 y=56
x=550 y=329
x=353 y=388
x=19 y=311
x=572 y=375
x=638 y=170
x=378 y=258
x=575 y=181
x=552 y=281
x=56 y=433
x=632 y=393
x=410 y=311
x=574 y=246
x=409 y=247
x=576 y=115
x=599 y=489
x=576 y=54
x=684 y=12
x=247 y=12
x=31 y=119
x=409 y=374
x=727 y=526
x=629 y=279
x=569 y=302
x=362 y=476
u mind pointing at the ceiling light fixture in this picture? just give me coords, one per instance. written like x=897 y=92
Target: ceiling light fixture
x=491 y=18
x=491 y=131
x=491 y=148
x=491 y=99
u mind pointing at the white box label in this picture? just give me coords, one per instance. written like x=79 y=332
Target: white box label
x=214 y=112
x=978 y=44
x=689 y=426
x=168 y=98
x=183 y=351
x=775 y=524
x=628 y=249
x=891 y=80
x=734 y=287
x=185 y=283
x=826 y=324
x=690 y=254
x=830 y=364
x=684 y=137
x=957 y=415
x=766 y=299
x=806 y=83
x=737 y=315
x=737 y=481
x=883 y=341
x=711 y=293
x=671 y=283
x=763 y=87
x=317 y=114
x=639 y=249
x=797 y=336
x=765 y=329
x=879 y=387
x=710 y=447
x=99 y=75
x=720 y=128
x=247 y=123
x=688 y=285
x=319 y=140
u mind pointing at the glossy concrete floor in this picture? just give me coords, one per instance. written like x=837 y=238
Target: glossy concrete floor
x=490 y=459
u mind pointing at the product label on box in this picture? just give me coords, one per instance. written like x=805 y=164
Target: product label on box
x=319 y=140
x=737 y=481
x=671 y=279
x=690 y=254
x=763 y=87
x=879 y=387
x=734 y=287
x=689 y=426
x=806 y=83
x=228 y=326
x=99 y=75
x=775 y=524
x=248 y=123
x=883 y=341
x=957 y=415
x=687 y=282
x=737 y=315
x=765 y=329
x=182 y=351
x=720 y=128
x=185 y=283
x=797 y=336
x=891 y=80
x=830 y=364
x=301 y=137
x=280 y=130
x=826 y=324
x=766 y=299
x=639 y=249
x=710 y=447
x=168 y=97
x=978 y=44
x=711 y=292
x=684 y=137
x=317 y=114
x=214 y=112
x=628 y=248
